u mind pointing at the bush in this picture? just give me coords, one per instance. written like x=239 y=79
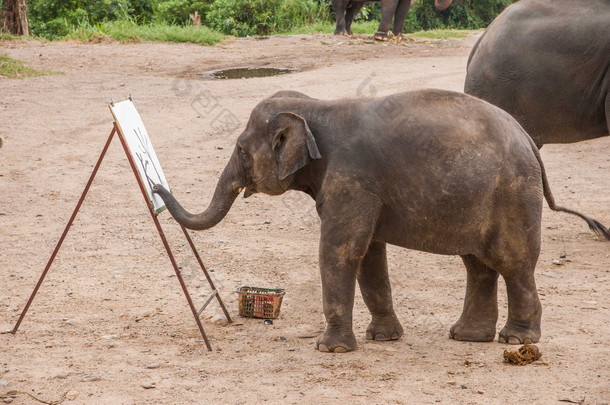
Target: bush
x=263 y=17
x=369 y=12
x=242 y=17
x=462 y=14
x=177 y=11
x=128 y=31
x=55 y=18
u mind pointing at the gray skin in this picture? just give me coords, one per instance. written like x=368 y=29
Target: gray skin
x=397 y=10
x=430 y=170
x=547 y=63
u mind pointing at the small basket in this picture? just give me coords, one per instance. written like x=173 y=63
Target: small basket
x=259 y=302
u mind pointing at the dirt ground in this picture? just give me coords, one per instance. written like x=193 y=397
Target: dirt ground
x=110 y=324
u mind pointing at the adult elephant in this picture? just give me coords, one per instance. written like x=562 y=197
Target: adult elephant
x=431 y=170
x=346 y=10
x=547 y=63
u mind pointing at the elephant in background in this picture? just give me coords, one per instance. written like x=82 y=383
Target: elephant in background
x=346 y=10
x=430 y=170
x=547 y=63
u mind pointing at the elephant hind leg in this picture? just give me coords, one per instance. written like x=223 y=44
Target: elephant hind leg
x=377 y=293
x=399 y=18
x=350 y=14
x=515 y=260
x=524 y=310
x=480 y=314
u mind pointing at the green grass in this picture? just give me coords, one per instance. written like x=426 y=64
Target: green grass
x=368 y=27
x=130 y=31
x=316 y=28
x=16 y=69
x=10 y=37
x=439 y=34
x=127 y=31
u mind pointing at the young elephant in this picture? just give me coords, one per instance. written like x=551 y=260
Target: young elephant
x=431 y=170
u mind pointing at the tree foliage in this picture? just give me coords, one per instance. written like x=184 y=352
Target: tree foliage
x=263 y=17
x=178 y=11
x=464 y=14
x=57 y=18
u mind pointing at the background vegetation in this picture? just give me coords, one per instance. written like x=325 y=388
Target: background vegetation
x=16 y=69
x=168 y=20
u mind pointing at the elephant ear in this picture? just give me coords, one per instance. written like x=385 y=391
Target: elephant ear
x=292 y=142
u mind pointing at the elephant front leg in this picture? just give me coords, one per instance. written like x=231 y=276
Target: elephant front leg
x=340 y=7
x=345 y=237
x=377 y=293
x=388 y=9
x=399 y=18
x=338 y=287
x=341 y=28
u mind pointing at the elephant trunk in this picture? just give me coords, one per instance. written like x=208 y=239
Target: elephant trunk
x=230 y=184
x=442 y=4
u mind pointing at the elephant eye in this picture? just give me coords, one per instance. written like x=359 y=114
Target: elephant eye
x=244 y=154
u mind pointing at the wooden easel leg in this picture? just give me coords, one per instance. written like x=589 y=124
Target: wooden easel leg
x=182 y=283
x=159 y=229
x=207 y=275
x=63 y=235
x=164 y=240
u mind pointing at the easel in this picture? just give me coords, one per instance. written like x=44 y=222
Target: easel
x=196 y=313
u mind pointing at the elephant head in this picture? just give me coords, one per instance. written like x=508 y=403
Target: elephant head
x=272 y=148
x=442 y=4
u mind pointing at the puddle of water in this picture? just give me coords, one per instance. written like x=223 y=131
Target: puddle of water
x=247 y=72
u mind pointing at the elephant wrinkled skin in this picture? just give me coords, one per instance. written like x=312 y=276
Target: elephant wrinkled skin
x=430 y=170
x=547 y=63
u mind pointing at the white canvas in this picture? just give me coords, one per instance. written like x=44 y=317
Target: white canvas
x=131 y=126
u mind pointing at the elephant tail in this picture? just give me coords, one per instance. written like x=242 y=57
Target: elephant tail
x=594 y=225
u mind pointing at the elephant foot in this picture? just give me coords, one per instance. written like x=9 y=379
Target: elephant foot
x=336 y=343
x=342 y=32
x=388 y=328
x=381 y=36
x=472 y=333
x=517 y=336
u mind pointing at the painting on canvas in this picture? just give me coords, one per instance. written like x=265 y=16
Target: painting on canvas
x=131 y=126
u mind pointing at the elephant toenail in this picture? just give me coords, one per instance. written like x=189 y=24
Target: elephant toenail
x=512 y=340
x=340 y=349
x=369 y=336
x=323 y=348
x=527 y=341
x=501 y=339
x=380 y=336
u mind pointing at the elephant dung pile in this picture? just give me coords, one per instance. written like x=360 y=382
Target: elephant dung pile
x=526 y=354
